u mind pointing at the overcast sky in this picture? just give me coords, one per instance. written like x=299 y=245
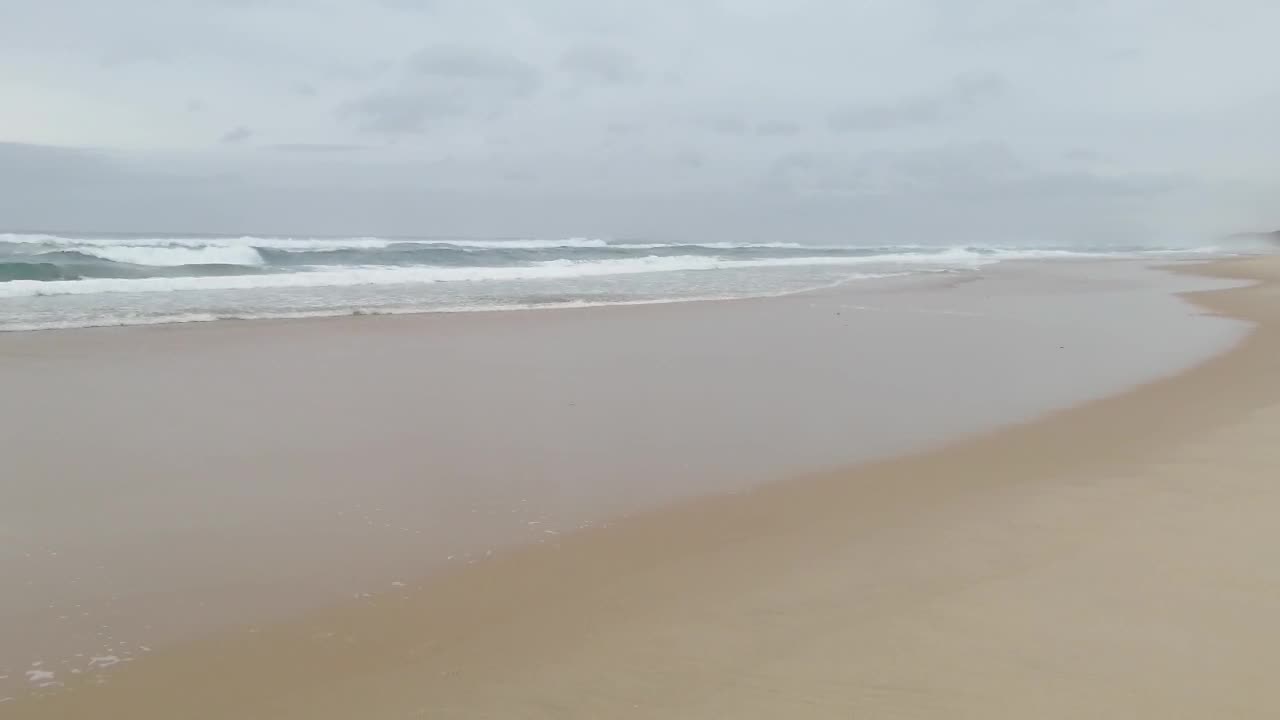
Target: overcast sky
x=835 y=120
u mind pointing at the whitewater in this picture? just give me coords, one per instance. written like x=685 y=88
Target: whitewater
x=52 y=280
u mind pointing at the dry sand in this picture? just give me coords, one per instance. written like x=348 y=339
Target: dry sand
x=1116 y=559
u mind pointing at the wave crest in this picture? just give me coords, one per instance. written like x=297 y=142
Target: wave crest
x=156 y=256
x=384 y=275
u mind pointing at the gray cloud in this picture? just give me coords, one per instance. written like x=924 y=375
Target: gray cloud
x=441 y=82
x=43 y=162
x=981 y=194
x=623 y=127
x=236 y=135
x=1082 y=156
x=415 y=5
x=690 y=159
x=486 y=70
x=315 y=147
x=974 y=194
x=399 y=113
x=600 y=66
x=727 y=124
x=521 y=177
x=880 y=171
x=915 y=111
x=965 y=91
x=777 y=128
x=40 y=186
x=249 y=4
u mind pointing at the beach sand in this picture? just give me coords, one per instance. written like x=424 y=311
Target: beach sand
x=1110 y=559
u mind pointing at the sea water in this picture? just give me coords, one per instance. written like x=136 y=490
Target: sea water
x=71 y=280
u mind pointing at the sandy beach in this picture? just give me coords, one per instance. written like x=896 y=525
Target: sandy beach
x=1042 y=490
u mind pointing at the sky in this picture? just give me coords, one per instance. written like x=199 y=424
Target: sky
x=844 y=121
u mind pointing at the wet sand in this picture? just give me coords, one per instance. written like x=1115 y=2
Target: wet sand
x=1110 y=559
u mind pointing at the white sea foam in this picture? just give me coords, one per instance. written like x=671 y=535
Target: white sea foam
x=109 y=320
x=157 y=256
x=382 y=275
x=41 y=678
x=344 y=276
x=179 y=318
x=571 y=243
x=521 y=244
x=662 y=272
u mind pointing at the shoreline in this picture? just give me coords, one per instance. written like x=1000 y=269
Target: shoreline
x=711 y=550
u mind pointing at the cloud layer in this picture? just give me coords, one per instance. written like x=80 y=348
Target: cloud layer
x=838 y=121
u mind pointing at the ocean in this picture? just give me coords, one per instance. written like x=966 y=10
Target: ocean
x=50 y=281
